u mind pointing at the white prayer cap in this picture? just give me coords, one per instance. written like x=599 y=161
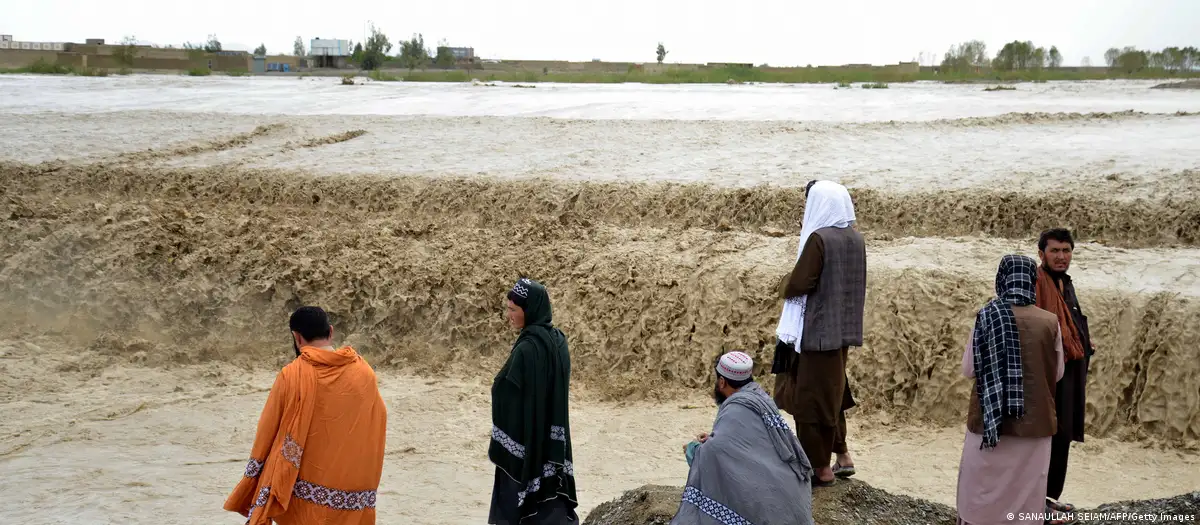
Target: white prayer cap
x=735 y=366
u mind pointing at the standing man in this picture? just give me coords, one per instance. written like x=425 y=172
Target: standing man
x=824 y=298
x=1014 y=356
x=531 y=429
x=1056 y=294
x=301 y=470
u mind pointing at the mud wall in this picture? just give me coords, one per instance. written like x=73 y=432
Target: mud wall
x=16 y=58
x=650 y=282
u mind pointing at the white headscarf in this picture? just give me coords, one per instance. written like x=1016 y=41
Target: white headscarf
x=828 y=206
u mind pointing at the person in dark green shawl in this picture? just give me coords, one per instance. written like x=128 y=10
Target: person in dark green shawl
x=531 y=431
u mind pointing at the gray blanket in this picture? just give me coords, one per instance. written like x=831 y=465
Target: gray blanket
x=750 y=471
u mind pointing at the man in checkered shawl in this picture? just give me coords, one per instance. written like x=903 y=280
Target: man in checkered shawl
x=1015 y=356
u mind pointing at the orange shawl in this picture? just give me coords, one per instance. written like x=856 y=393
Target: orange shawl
x=351 y=411
x=1050 y=299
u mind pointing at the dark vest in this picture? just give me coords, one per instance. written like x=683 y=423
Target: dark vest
x=833 y=314
x=1036 y=328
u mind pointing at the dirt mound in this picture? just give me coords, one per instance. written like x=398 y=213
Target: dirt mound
x=1186 y=84
x=850 y=502
x=1181 y=508
x=236 y=141
x=481 y=202
x=334 y=139
x=1040 y=117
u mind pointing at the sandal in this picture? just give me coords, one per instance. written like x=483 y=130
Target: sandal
x=843 y=471
x=1056 y=506
x=816 y=482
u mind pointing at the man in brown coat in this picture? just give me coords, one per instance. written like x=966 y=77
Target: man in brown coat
x=824 y=298
x=1056 y=294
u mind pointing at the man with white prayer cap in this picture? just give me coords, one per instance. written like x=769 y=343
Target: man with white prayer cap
x=750 y=468
x=824 y=298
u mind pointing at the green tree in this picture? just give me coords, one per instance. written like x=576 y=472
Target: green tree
x=1055 y=58
x=126 y=51
x=1132 y=60
x=965 y=56
x=298 y=47
x=261 y=50
x=357 y=55
x=213 y=45
x=1019 y=56
x=413 y=53
x=376 y=50
x=1189 y=58
x=661 y=52
x=1111 y=56
x=445 y=58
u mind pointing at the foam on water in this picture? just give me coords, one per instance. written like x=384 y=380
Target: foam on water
x=809 y=102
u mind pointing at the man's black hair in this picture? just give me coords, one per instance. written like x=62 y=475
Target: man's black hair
x=1057 y=234
x=809 y=187
x=311 y=323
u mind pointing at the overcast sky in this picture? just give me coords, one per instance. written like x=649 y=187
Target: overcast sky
x=796 y=32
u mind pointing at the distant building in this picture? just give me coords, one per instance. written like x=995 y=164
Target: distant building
x=463 y=53
x=5 y=38
x=326 y=52
x=94 y=41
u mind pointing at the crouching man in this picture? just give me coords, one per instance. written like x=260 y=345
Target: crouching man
x=750 y=468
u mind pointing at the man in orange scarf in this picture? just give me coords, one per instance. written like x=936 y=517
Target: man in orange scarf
x=1056 y=294
x=318 y=453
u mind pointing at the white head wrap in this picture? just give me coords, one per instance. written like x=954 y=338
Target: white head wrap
x=735 y=366
x=828 y=206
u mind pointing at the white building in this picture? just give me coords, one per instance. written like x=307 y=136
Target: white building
x=330 y=48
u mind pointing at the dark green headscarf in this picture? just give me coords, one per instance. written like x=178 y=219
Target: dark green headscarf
x=531 y=431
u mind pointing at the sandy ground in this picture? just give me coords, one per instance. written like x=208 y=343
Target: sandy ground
x=152 y=445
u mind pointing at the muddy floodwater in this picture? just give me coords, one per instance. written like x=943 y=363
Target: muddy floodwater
x=155 y=232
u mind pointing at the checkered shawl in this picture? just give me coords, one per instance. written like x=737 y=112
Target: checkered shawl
x=999 y=377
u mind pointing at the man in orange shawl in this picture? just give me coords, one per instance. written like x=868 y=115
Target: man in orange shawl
x=318 y=453
x=1056 y=294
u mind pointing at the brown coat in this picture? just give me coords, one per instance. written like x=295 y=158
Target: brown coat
x=832 y=272
x=1040 y=340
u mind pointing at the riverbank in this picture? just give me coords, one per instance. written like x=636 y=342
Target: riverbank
x=667 y=75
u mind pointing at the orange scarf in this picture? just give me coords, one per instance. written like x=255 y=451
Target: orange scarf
x=1050 y=299
x=266 y=488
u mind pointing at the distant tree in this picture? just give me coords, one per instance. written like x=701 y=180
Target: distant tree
x=357 y=56
x=1086 y=62
x=1055 y=58
x=1189 y=58
x=661 y=52
x=261 y=50
x=213 y=45
x=298 y=47
x=413 y=53
x=445 y=58
x=1111 y=56
x=965 y=56
x=126 y=51
x=1132 y=60
x=376 y=50
x=1020 y=56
